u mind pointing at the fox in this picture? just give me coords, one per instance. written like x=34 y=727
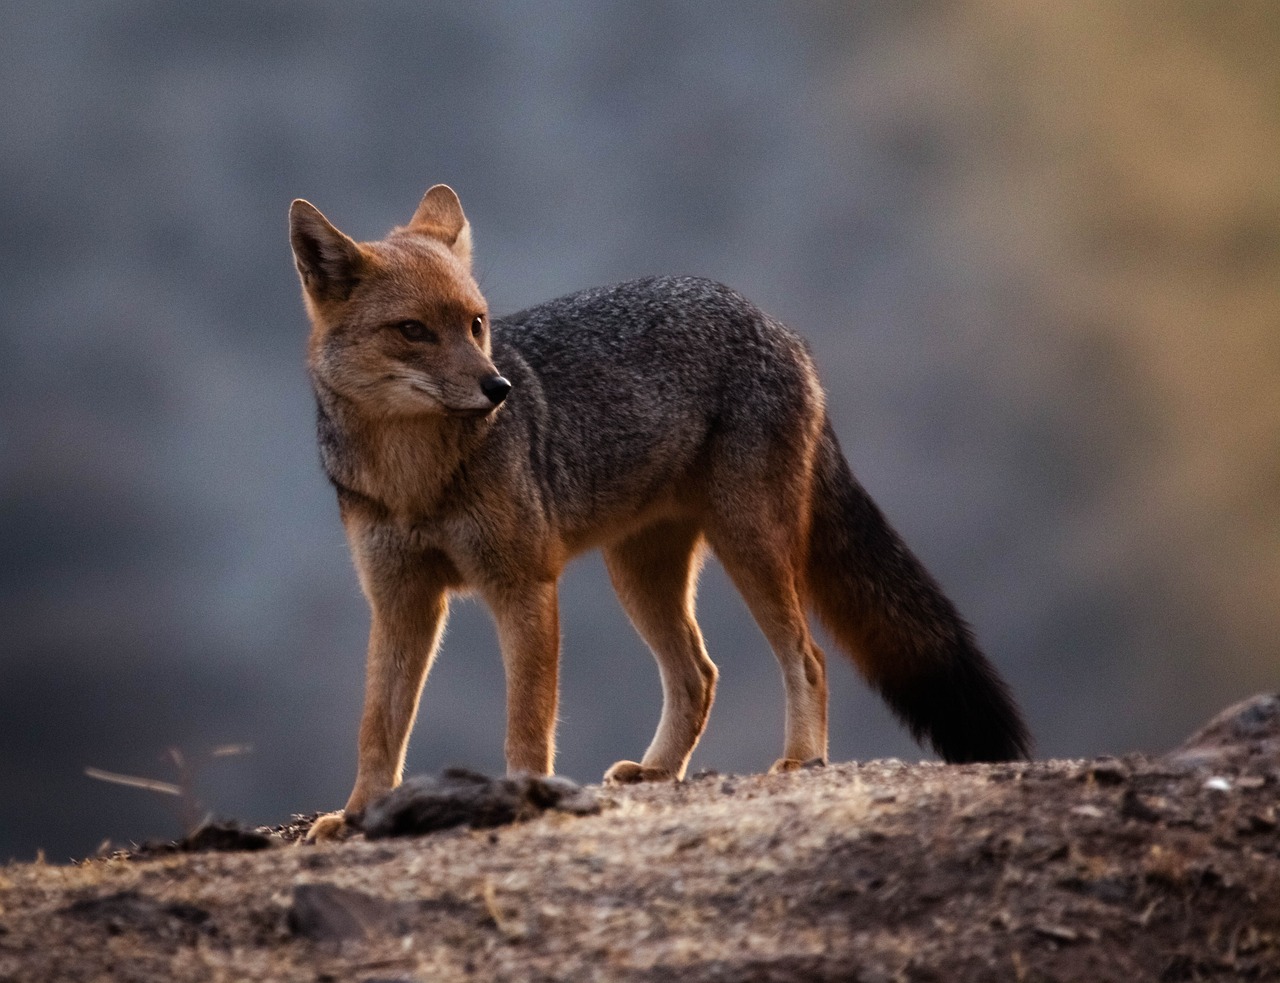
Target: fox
x=656 y=420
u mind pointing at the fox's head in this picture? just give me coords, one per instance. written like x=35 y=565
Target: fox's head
x=399 y=326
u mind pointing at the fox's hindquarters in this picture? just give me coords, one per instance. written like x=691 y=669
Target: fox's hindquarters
x=892 y=619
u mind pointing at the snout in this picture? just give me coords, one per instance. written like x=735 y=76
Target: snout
x=495 y=388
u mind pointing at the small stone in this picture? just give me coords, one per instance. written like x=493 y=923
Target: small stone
x=1109 y=771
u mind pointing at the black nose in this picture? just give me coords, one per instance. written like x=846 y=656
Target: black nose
x=496 y=388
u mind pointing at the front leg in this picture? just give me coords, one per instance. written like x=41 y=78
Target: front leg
x=403 y=638
x=407 y=623
x=528 y=623
x=408 y=604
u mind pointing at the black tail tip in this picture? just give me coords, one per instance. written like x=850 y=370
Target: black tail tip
x=964 y=711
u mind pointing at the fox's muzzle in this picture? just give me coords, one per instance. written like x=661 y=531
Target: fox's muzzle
x=495 y=387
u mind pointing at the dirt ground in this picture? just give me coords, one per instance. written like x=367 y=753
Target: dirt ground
x=1114 y=869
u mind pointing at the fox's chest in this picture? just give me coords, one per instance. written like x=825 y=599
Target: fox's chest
x=447 y=542
x=445 y=551
x=463 y=552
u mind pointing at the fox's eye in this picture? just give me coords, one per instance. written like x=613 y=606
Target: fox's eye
x=415 y=331
x=477 y=326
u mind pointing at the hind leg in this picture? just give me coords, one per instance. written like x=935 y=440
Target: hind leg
x=654 y=573
x=763 y=558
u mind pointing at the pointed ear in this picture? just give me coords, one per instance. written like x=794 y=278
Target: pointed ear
x=439 y=215
x=328 y=261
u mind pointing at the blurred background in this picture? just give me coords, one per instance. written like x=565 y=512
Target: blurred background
x=1035 y=247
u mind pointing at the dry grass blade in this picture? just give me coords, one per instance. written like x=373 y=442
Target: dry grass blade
x=133 y=781
x=229 y=750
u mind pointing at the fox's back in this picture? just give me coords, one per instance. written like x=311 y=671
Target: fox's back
x=660 y=351
x=634 y=382
x=655 y=332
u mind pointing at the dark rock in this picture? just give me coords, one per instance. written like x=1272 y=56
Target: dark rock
x=326 y=913
x=131 y=911
x=1245 y=733
x=1135 y=806
x=210 y=836
x=226 y=836
x=460 y=797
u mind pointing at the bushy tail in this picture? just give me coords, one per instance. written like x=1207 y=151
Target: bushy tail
x=892 y=618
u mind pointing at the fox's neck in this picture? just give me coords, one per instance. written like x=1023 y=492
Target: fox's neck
x=401 y=465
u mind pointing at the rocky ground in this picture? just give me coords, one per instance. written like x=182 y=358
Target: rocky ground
x=1113 y=869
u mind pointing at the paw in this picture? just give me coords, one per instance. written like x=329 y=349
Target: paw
x=631 y=773
x=330 y=827
x=795 y=764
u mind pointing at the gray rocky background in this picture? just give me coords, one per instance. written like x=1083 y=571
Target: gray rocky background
x=1036 y=248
